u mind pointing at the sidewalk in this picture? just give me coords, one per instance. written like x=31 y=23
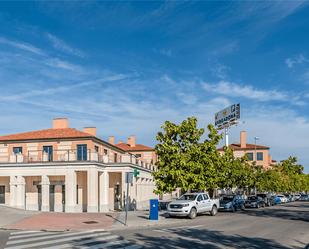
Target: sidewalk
x=141 y=219
x=26 y=220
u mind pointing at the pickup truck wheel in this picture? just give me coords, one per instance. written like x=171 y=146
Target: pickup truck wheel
x=214 y=210
x=193 y=213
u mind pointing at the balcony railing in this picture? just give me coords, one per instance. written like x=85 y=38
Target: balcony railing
x=37 y=156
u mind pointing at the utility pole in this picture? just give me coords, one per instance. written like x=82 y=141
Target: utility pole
x=255 y=155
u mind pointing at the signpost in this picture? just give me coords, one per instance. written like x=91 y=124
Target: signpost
x=226 y=118
x=129 y=180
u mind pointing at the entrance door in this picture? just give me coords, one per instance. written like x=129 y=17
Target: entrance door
x=49 y=151
x=63 y=198
x=39 y=197
x=117 y=197
x=82 y=152
x=52 y=198
x=2 y=194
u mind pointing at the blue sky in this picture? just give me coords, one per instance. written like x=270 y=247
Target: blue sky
x=127 y=67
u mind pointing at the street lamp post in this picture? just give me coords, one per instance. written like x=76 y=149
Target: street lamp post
x=255 y=139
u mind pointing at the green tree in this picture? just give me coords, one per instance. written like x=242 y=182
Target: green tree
x=184 y=161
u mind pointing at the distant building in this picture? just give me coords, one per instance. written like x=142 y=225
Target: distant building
x=66 y=170
x=255 y=152
x=141 y=151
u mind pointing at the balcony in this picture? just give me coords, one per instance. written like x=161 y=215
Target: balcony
x=37 y=156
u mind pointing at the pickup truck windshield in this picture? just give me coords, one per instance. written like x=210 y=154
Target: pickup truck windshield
x=188 y=197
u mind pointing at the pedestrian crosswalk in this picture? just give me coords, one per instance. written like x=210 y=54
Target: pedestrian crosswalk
x=93 y=239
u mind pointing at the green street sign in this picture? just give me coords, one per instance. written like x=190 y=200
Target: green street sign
x=136 y=172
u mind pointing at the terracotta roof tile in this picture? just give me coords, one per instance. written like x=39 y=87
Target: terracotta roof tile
x=248 y=147
x=46 y=134
x=138 y=147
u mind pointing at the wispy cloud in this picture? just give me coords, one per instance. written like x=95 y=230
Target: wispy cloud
x=299 y=59
x=247 y=91
x=21 y=45
x=59 y=44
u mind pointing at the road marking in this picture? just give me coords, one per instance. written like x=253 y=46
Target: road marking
x=44 y=243
x=23 y=232
x=37 y=234
x=86 y=241
x=67 y=240
x=49 y=237
x=173 y=229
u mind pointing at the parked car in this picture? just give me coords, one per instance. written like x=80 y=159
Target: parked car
x=232 y=203
x=254 y=201
x=297 y=197
x=266 y=198
x=191 y=204
x=275 y=200
x=304 y=197
x=289 y=198
x=283 y=199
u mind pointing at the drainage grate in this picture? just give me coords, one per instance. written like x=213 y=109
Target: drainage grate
x=90 y=222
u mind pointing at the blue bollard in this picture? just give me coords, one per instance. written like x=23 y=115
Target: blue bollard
x=154 y=209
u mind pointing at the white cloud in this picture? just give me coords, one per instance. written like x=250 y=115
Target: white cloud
x=299 y=59
x=23 y=46
x=247 y=91
x=63 y=46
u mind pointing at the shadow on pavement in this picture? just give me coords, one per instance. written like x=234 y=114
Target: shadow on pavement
x=196 y=239
x=283 y=212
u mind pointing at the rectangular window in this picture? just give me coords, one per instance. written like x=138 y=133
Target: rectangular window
x=138 y=155
x=48 y=150
x=115 y=157
x=17 y=150
x=82 y=152
x=105 y=152
x=96 y=148
x=250 y=156
x=259 y=156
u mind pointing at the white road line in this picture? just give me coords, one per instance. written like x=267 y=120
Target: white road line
x=51 y=240
x=16 y=237
x=112 y=243
x=86 y=241
x=183 y=228
x=24 y=232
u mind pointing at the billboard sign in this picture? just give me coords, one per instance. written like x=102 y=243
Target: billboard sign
x=227 y=116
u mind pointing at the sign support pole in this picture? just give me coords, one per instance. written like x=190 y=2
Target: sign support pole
x=127 y=201
x=226 y=133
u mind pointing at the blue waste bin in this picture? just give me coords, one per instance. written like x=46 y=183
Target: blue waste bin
x=154 y=209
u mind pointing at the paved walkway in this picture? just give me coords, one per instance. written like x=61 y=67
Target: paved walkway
x=64 y=222
x=26 y=220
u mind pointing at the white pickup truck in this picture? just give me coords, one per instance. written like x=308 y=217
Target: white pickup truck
x=191 y=204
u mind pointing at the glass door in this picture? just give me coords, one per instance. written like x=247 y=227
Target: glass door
x=49 y=151
x=2 y=194
x=82 y=152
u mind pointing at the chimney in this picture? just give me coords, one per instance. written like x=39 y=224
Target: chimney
x=131 y=141
x=243 y=139
x=120 y=142
x=60 y=123
x=91 y=130
x=111 y=140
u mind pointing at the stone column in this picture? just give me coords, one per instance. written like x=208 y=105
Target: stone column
x=104 y=191
x=45 y=193
x=92 y=186
x=70 y=191
x=20 y=192
x=13 y=189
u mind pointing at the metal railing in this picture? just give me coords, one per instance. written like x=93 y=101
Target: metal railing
x=72 y=155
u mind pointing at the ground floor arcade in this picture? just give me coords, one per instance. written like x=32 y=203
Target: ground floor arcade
x=74 y=188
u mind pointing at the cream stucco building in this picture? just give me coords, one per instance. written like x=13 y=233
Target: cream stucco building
x=66 y=170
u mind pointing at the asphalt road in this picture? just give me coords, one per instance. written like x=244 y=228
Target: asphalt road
x=284 y=226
